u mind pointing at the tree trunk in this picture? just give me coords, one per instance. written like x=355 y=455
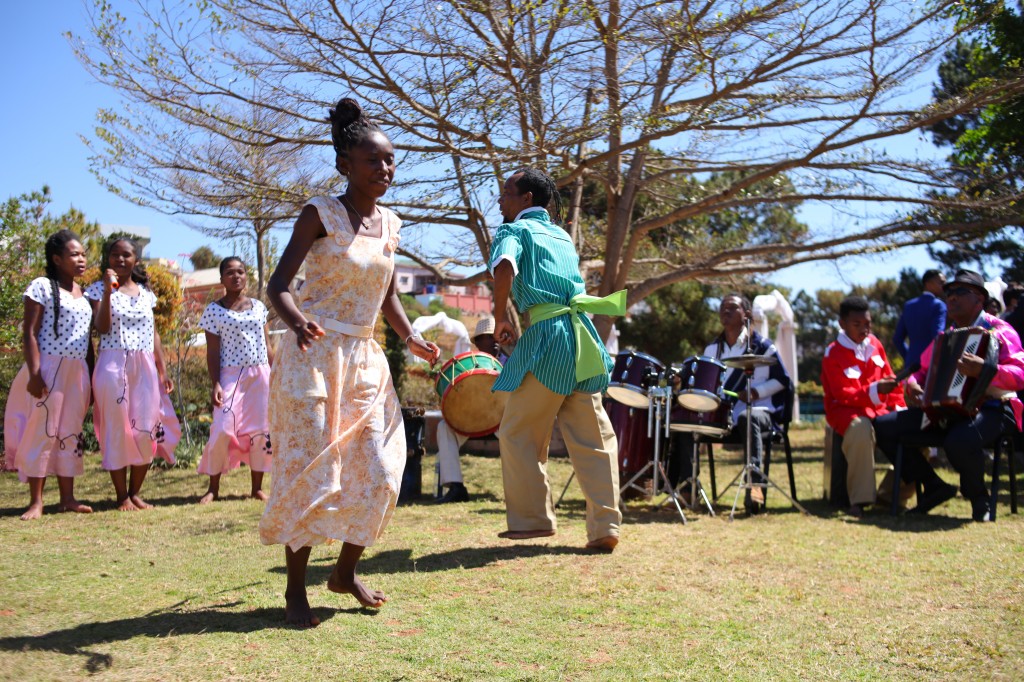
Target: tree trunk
x=260 y=264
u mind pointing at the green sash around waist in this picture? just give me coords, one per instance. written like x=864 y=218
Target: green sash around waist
x=588 y=353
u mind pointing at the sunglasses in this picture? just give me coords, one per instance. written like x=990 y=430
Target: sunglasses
x=959 y=291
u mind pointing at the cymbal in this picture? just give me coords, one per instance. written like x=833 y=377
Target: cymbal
x=749 y=360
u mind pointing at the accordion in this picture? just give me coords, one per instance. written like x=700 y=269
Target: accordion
x=947 y=392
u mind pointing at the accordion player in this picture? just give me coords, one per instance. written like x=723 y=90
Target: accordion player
x=948 y=392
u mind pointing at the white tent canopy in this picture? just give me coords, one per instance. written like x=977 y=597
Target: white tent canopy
x=785 y=339
x=447 y=326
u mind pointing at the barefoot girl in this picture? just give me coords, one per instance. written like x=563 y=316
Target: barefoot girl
x=239 y=366
x=50 y=396
x=339 y=442
x=133 y=416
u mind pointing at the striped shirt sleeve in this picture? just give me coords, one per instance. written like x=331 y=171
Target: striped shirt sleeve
x=506 y=246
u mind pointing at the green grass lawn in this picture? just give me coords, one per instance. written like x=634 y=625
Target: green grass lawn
x=184 y=592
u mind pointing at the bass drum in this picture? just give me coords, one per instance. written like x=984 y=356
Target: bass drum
x=636 y=448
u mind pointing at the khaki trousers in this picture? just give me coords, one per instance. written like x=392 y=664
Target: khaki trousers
x=524 y=436
x=859 y=450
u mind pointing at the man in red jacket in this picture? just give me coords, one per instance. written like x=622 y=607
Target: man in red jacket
x=859 y=385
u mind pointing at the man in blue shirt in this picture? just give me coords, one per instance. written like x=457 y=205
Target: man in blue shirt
x=922 y=319
x=558 y=368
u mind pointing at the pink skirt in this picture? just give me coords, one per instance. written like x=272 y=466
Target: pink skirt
x=43 y=437
x=133 y=415
x=240 y=431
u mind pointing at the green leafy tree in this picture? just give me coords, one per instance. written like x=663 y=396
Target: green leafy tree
x=25 y=224
x=203 y=258
x=817 y=318
x=677 y=323
x=987 y=145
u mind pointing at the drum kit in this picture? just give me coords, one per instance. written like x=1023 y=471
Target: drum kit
x=681 y=398
x=689 y=397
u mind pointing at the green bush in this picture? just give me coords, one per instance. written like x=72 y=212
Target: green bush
x=418 y=391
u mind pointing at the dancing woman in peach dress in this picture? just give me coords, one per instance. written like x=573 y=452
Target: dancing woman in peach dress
x=339 y=439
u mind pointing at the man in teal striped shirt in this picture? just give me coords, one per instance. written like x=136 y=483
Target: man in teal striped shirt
x=558 y=368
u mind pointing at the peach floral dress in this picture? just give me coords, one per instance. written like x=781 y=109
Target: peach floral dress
x=339 y=443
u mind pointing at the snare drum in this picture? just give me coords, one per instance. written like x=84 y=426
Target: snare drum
x=700 y=389
x=631 y=377
x=716 y=423
x=467 y=403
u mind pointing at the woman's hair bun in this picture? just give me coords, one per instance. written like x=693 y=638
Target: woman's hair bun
x=345 y=112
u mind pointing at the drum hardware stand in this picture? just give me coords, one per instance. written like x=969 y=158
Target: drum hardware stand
x=696 y=487
x=658 y=421
x=747 y=363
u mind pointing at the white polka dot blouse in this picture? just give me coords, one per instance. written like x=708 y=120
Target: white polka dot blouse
x=242 y=343
x=131 y=319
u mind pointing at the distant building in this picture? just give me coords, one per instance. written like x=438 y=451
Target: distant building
x=412 y=278
x=171 y=266
x=202 y=285
x=416 y=280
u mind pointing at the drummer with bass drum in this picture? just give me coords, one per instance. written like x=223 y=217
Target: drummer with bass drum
x=770 y=387
x=448 y=439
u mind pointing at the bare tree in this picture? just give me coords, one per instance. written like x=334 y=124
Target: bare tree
x=783 y=102
x=222 y=178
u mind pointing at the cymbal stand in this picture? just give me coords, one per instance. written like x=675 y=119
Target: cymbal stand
x=746 y=476
x=658 y=421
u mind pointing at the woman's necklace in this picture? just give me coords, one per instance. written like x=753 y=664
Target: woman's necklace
x=351 y=207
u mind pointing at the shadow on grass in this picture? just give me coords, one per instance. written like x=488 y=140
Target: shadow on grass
x=402 y=561
x=428 y=500
x=81 y=639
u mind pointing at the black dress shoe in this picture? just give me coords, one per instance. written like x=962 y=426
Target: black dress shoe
x=456 y=493
x=933 y=497
x=980 y=510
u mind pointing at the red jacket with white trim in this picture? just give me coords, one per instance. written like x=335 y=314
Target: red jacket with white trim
x=849 y=384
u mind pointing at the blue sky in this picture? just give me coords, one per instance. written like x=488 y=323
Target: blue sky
x=51 y=100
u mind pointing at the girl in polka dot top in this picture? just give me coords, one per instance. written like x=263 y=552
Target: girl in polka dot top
x=133 y=414
x=238 y=361
x=50 y=395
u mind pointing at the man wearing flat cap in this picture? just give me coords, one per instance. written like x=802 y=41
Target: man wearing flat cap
x=449 y=442
x=963 y=440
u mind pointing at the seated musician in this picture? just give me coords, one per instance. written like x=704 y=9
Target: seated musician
x=448 y=441
x=859 y=386
x=770 y=388
x=963 y=439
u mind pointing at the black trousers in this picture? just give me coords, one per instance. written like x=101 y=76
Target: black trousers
x=680 y=459
x=963 y=440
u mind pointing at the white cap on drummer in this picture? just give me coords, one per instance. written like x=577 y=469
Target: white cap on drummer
x=484 y=326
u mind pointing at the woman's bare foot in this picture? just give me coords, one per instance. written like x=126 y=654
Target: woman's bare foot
x=259 y=495
x=139 y=502
x=34 y=511
x=366 y=597
x=126 y=505
x=297 y=611
x=209 y=497
x=75 y=506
